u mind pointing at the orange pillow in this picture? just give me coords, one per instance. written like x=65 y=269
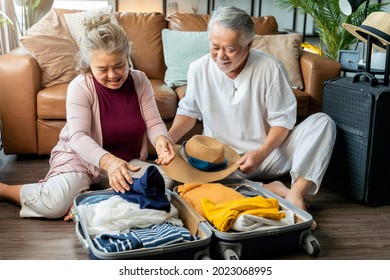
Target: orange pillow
x=286 y=48
x=50 y=43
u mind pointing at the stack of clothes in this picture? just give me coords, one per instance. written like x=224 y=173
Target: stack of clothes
x=142 y=217
x=238 y=208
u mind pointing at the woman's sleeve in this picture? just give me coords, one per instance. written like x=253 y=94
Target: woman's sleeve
x=82 y=121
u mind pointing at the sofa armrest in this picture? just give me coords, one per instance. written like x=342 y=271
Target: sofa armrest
x=20 y=81
x=315 y=71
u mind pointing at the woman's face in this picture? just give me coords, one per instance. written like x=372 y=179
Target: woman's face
x=111 y=70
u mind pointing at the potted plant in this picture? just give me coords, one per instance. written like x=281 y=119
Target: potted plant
x=32 y=11
x=4 y=20
x=327 y=19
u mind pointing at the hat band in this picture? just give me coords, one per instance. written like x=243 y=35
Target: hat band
x=202 y=164
x=381 y=34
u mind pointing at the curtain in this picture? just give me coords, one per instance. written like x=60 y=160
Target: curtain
x=9 y=36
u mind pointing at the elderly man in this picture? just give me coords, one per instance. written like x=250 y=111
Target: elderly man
x=244 y=99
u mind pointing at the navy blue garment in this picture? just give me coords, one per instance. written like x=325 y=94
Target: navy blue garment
x=148 y=191
x=153 y=236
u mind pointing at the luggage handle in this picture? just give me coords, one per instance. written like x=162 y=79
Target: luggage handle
x=371 y=78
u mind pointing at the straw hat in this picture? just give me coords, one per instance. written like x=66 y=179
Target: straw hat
x=377 y=24
x=202 y=159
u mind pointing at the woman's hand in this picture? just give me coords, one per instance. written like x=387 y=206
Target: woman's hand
x=164 y=149
x=118 y=172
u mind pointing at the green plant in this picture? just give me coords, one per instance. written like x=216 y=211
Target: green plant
x=32 y=11
x=4 y=19
x=327 y=19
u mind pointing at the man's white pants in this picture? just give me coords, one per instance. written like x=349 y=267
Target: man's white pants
x=306 y=152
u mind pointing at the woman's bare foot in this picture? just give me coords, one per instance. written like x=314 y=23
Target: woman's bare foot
x=69 y=216
x=10 y=193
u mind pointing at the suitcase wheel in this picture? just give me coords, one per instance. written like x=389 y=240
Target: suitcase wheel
x=311 y=245
x=229 y=251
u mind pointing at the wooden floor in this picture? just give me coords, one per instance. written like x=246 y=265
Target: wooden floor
x=346 y=230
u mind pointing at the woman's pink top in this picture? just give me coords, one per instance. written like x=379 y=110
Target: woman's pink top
x=80 y=146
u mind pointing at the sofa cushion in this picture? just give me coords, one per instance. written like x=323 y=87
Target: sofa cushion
x=183 y=47
x=75 y=21
x=284 y=47
x=144 y=31
x=166 y=99
x=51 y=102
x=265 y=25
x=50 y=43
x=180 y=49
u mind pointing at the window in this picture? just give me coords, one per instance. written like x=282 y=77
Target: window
x=84 y=4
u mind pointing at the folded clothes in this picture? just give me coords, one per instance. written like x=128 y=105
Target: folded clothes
x=216 y=192
x=116 y=215
x=154 y=236
x=246 y=222
x=148 y=191
x=223 y=215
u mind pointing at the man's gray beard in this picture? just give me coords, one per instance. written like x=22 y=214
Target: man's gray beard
x=223 y=68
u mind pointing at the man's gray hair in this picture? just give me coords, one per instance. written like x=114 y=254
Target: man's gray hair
x=235 y=19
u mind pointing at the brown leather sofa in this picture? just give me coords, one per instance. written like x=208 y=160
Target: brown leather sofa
x=32 y=116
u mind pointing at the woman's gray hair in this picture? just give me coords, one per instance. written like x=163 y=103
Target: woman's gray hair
x=235 y=19
x=101 y=33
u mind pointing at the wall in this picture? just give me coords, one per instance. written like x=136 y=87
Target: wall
x=284 y=18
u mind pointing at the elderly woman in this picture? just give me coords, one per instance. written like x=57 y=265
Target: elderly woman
x=111 y=111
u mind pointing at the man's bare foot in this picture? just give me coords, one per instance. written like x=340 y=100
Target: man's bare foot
x=314 y=226
x=300 y=203
x=278 y=188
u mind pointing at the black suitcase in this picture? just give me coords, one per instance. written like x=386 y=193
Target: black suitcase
x=359 y=167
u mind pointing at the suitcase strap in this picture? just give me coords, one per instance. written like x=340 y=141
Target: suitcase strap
x=370 y=77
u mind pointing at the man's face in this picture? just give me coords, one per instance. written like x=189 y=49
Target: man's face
x=226 y=51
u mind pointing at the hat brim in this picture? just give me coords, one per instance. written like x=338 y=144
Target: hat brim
x=180 y=170
x=361 y=33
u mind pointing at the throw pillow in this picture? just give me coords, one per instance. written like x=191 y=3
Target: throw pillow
x=284 y=47
x=50 y=43
x=76 y=21
x=180 y=49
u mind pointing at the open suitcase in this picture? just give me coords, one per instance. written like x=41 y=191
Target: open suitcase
x=360 y=159
x=196 y=249
x=261 y=243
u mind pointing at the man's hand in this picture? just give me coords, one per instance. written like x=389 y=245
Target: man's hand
x=164 y=149
x=118 y=172
x=250 y=161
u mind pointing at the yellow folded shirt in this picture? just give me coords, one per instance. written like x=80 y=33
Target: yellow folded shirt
x=223 y=215
x=216 y=192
